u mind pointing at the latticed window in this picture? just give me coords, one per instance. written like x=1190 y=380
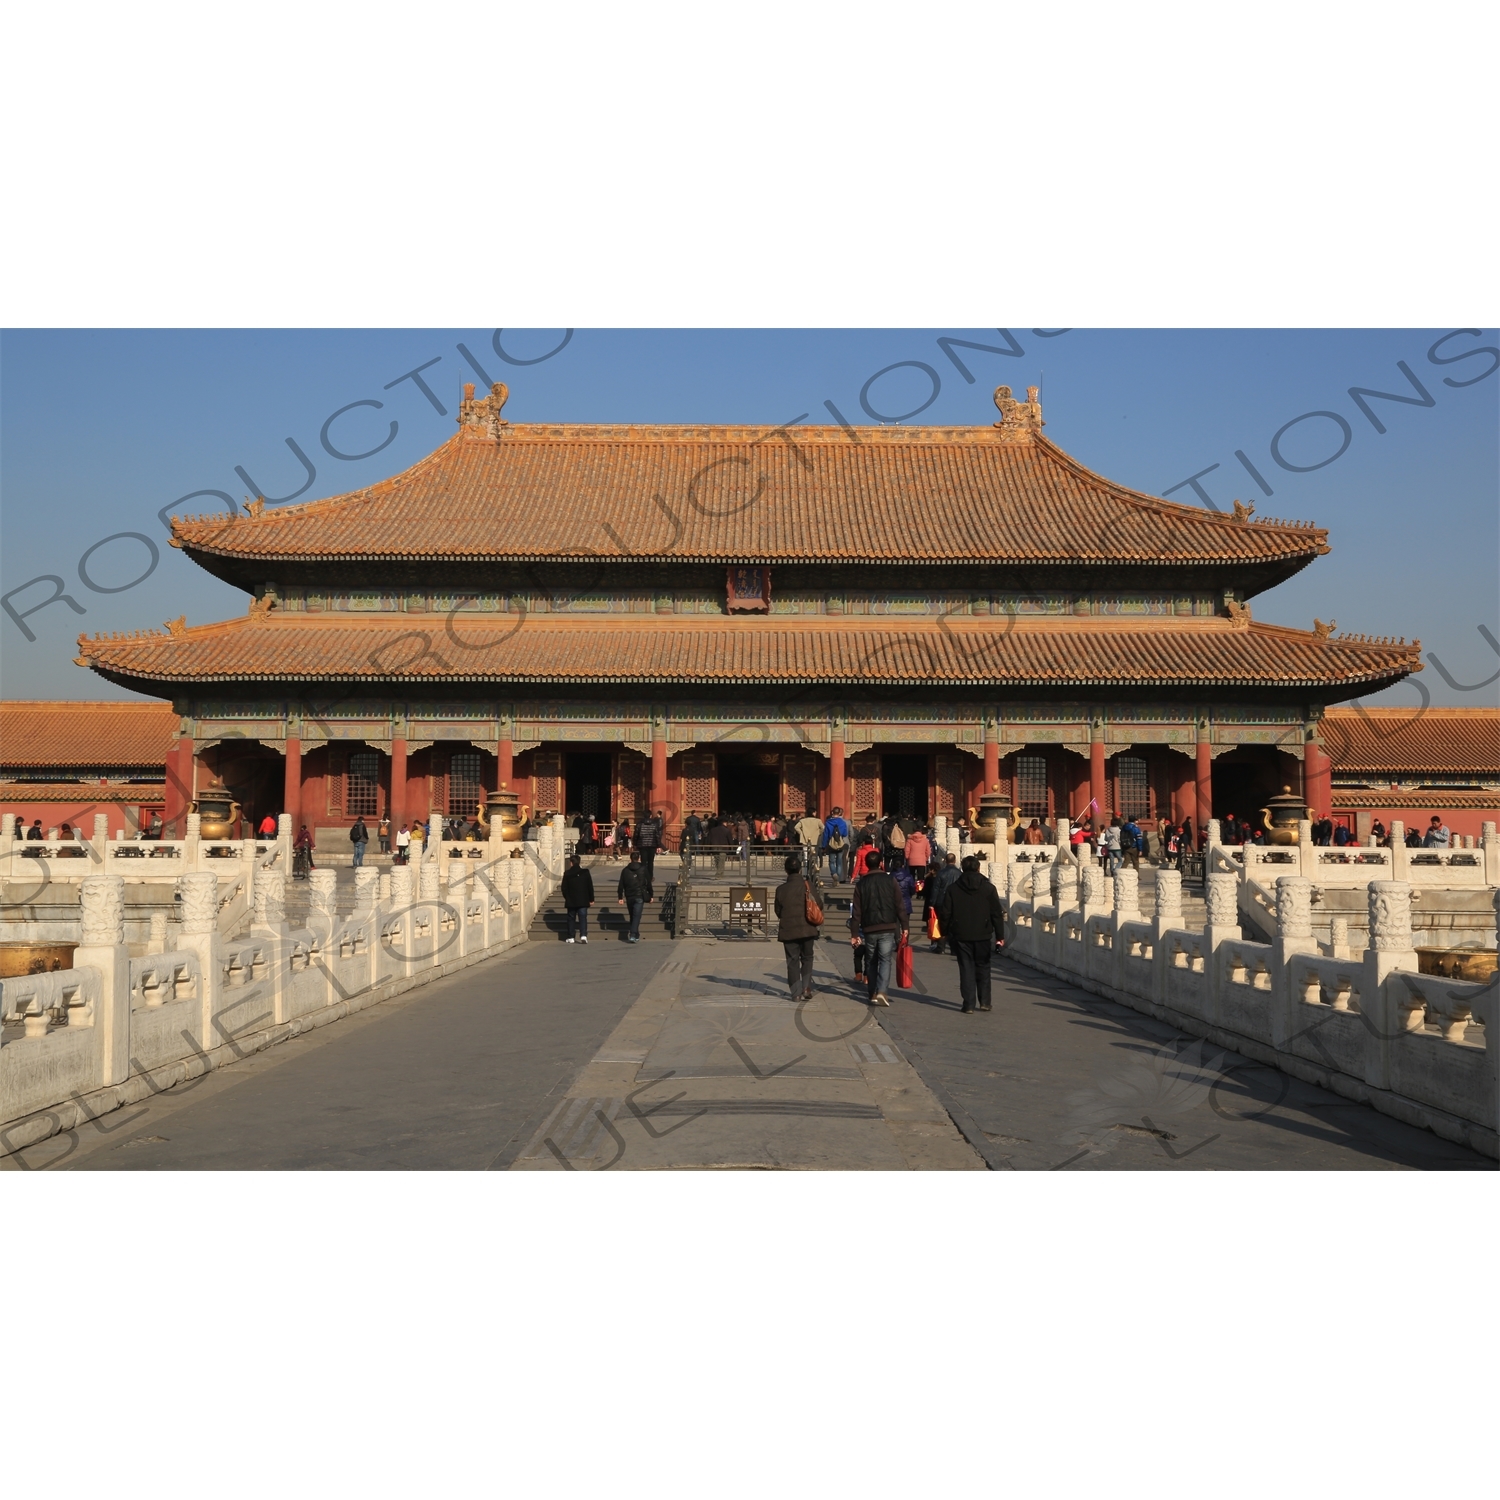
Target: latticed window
x=799 y=780
x=699 y=788
x=1031 y=786
x=362 y=789
x=547 y=774
x=1135 y=799
x=863 y=777
x=950 y=787
x=465 y=790
x=630 y=790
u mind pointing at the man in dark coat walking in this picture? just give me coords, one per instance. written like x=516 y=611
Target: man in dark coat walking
x=876 y=913
x=648 y=834
x=359 y=836
x=973 y=919
x=798 y=935
x=938 y=884
x=633 y=893
x=578 y=896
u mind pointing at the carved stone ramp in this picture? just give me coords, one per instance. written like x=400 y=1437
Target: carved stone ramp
x=714 y=1066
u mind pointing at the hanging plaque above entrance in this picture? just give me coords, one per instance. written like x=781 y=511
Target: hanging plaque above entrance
x=749 y=590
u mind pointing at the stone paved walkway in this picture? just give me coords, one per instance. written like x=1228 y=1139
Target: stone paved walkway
x=689 y=1055
x=714 y=1066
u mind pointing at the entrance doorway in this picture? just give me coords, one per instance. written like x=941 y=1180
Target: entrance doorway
x=586 y=784
x=904 y=785
x=1243 y=782
x=750 y=783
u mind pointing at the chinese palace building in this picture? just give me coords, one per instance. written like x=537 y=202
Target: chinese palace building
x=751 y=619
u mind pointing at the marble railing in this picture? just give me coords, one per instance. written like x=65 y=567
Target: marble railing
x=78 y=1043
x=1423 y=1049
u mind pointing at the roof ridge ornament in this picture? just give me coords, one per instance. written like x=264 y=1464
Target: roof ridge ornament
x=1324 y=628
x=1239 y=613
x=254 y=507
x=177 y=626
x=481 y=419
x=1018 y=419
x=1243 y=512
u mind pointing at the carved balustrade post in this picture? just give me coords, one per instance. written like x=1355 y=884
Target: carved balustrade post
x=200 y=935
x=322 y=893
x=1064 y=885
x=1093 y=893
x=1390 y=951
x=1127 y=895
x=102 y=912
x=1168 y=900
x=1294 y=935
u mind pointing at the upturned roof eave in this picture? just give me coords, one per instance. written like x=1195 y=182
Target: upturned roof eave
x=1060 y=559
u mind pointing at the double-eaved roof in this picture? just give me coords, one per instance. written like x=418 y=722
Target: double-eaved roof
x=874 y=495
x=889 y=496
x=668 y=649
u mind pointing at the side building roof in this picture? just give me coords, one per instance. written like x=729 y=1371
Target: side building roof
x=37 y=734
x=533 y=492
x=1404 y=741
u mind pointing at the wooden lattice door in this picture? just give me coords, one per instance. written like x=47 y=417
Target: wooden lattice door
x=799 y=785
x=630 y=785
x=699 y=783
x=547 y=783
x=862 y=774
x=949 y=788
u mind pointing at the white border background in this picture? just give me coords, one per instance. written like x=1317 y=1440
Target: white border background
x=815 y=165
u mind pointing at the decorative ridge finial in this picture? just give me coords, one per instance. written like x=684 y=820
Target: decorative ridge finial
x=1243 y=512
x=254 y=507
x=1018 y=419
x=1322 y=629
x=481 y=418
x=177 y=626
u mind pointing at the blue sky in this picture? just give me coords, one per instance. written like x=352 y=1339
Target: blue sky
x=99 y=431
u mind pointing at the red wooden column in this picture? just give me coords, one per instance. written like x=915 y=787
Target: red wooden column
x=1205 y=784
x=179 y=788
x=291 y=795
x=991 y=754
x=398 y=782
x=836 y=794
x=1317 y=778
x=659 y=778
x=507 y=761
x=1096 y=782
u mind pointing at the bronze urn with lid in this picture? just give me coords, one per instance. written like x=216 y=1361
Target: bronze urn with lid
x=992 y=820
x=217 y=811
x=502 y=805
x=1281 y=815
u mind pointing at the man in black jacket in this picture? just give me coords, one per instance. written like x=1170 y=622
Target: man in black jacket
x=648 y=834
x=877 y=913
x=939 y=882
x=578 y=896
x=973 y=920
x=359 y=836
x=717 y=840
x=633 y=893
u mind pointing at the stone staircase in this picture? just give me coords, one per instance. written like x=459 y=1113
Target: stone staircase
x=608 y=922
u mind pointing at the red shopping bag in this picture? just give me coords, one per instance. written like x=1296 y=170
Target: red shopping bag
x=903 y=963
